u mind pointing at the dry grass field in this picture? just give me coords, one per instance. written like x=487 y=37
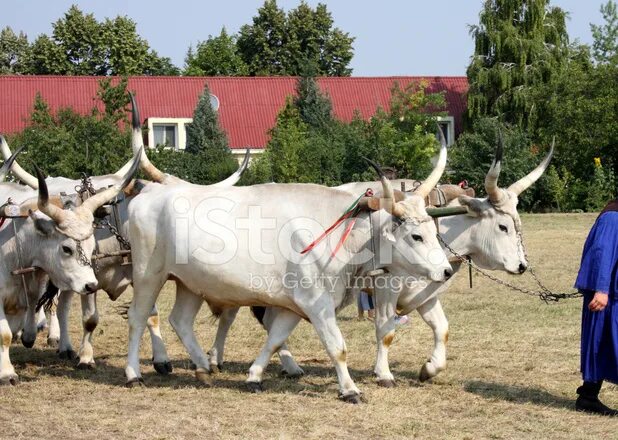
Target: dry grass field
x=512 y=373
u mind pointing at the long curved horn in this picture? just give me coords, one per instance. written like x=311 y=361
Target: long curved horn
x=55 y=213
x=16 y=169
x=387 y=201
x=432 y=180
x=525 y=182
x=137 y=142
x=491 y=179
x=96 y=201
x=235 y=177
x=6 y=166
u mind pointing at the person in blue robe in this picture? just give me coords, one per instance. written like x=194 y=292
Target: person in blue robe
x=597 y=281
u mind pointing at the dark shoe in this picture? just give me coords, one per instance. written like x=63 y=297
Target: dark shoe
x=593 y=406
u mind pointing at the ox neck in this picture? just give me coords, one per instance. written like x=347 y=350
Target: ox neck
x=18 y=250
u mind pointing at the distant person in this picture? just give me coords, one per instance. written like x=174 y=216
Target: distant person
x=597 y=280
x=365 y=304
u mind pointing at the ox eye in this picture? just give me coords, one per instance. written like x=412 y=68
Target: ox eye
x=503 y=228
x=417 y=238
x=67 y=250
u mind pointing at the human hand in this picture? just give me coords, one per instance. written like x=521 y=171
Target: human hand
x=599 y=302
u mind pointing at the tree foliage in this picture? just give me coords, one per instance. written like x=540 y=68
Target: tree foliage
x=68 y=144
x=518 y=45
x=217 y=56
x=277 y=43
x=309 y=145
x=81 y=45
x=13 y=51
x=605 y=45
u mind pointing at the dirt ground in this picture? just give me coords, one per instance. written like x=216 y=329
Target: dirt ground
x=512 y=372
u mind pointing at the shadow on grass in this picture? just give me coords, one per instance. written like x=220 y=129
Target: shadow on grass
x=517 y=394
x=34 y=364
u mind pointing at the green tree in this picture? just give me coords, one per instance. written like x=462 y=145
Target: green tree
x=605 y=45
x=68 y=144
x=80 y=45
x=207 y=158
x=217 y=56
x=277 y=43
x=13 y=51
x=518 y=45
x=204 y=134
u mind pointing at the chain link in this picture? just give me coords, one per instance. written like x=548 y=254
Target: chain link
x=85 y=187
x=544 y=293
x=124 y=243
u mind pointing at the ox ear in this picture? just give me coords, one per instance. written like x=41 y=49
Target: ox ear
x=475 y=206
x=42 y=225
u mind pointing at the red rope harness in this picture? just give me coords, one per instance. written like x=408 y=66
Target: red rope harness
x=349 y=213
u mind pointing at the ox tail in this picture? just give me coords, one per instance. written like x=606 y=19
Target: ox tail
x=47 y=299
x=258 y=313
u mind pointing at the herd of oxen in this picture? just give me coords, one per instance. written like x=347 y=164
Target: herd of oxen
x=232 y=246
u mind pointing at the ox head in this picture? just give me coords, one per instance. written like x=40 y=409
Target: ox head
x=65 y=237
x=410 y=230
x=497 y=242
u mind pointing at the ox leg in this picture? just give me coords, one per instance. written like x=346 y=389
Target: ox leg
x=65 y=349
x=385 y=311
x=7 y=372
x=160 y=360
x=182 y=319
x=282 y=324
x=53 y=335
x=289 y=367
x=321 y=313
x=145 y=293
x=90 y=320
x=215 y=354
x=433 y=315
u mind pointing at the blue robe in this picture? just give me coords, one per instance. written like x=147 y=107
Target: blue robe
x=598 y=273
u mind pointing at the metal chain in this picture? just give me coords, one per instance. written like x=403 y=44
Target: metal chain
x=545 y=294
x=85 y=187
x=105 y=223
x=81 y=256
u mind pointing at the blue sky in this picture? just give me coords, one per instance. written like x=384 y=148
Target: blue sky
x=393 y=37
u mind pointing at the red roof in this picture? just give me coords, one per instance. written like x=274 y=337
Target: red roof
x=248 y=105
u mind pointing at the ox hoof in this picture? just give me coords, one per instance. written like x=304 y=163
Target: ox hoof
x=353 y=398
x=136 y=382
x=192 y=366
x=67 y=355
x=86 y=365
x=40 y=328
x=292 y=374
x=215 y=368
x=424 y=375
x=53 y=342
x=255 y=387
x=203 y=376
x=164 y=368
x=26 y=342
x=386 y=383
x=13 y=380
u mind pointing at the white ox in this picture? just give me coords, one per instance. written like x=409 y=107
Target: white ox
x=59 y=242
x=113 y=277
x=197 y=236
x=490 y=235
